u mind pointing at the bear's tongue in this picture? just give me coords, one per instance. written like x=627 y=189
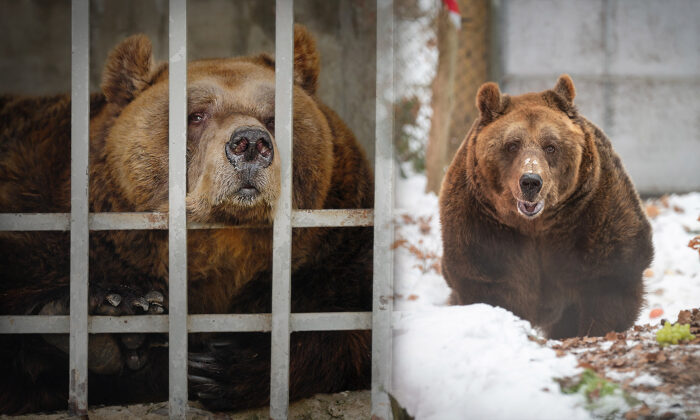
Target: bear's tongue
x=530 y=209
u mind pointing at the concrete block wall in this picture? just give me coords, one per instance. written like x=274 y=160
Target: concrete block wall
x=636 y=67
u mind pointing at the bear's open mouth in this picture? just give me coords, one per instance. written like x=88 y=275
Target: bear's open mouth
x=529 y=209
x=248 y=191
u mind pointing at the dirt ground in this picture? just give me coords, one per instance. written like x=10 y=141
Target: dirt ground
x=343 y=405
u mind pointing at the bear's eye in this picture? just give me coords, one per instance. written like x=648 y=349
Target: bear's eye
x=550 y=149
x=197 y=117
x=512 y=147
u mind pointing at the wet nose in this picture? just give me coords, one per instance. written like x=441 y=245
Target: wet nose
x=530 y=184
x=251 y=146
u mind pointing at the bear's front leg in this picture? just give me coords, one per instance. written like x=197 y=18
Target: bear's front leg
x=109 y=353
x=235 y=372
x=609 y=305
x=132 y=350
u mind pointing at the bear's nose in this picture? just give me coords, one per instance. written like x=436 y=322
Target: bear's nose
x=530 y=184
x=250 y=145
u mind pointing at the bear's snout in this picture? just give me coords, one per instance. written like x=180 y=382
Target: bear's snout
x=250 y=149
x=530 y=185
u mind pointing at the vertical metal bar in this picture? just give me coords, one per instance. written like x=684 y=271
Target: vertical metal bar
x=177 y=220
x=282 y=231
x=383 y=205
x=79 y=234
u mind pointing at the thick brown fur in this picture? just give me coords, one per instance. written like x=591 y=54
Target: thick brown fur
x=229 y=270
x=574 y=268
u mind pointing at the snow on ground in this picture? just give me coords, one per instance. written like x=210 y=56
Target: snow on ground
x=480 y=361
x=673 y=280
x=476 y=361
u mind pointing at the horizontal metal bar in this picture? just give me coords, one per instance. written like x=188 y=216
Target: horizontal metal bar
x=332 y=321
x=159 y=221
x=128 y=221
x=132 y=323
x=229 y=322
x=339 y=218
x=34 y=324
x=59 y=324
x=34 y=221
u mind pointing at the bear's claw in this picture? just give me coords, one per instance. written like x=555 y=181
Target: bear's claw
x=125 y=300
x=219 y=375
x=114 y=299
x=129 y=302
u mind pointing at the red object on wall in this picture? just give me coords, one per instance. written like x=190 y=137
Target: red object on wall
x=453 y=9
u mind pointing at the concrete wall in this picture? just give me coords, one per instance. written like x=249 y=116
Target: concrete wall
x=636 y=67
x=35 y=52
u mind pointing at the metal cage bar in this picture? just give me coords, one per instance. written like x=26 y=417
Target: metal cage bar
x=282 y=230
x=79 y=233
x=28 y=222
x=382 y=305
x=312 y=321
x=177 y=217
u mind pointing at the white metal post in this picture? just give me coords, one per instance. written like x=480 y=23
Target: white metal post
x=79 y=233
x=382 y=305
x=177 y=217
x=282 y=230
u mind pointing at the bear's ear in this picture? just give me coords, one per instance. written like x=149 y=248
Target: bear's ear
x=307 y=62
x=130 y=69
x=565 y=88
x=489 y=101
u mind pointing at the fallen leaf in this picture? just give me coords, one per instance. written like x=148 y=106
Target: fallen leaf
x=648 y=273
x=684 y=317
x=656 y=312
x=407 y=219
x=412 y=297
x=424 y=228
x=611 y=336
x=652 y=211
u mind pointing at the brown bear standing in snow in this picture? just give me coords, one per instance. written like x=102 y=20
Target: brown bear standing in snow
x=232 y=177
x=539 y=217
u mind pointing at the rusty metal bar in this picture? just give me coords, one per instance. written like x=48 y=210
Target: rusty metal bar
x=177 y=216
x=79 y=233
x=282 y=230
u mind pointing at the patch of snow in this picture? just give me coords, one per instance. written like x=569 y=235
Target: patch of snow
x=646 y=379
x=605 y=345
x=476 y=361
x=609 y=405
x=619 y=377
x=675 y=283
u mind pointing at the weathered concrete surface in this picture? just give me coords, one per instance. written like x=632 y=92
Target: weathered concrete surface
x=349 y=405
